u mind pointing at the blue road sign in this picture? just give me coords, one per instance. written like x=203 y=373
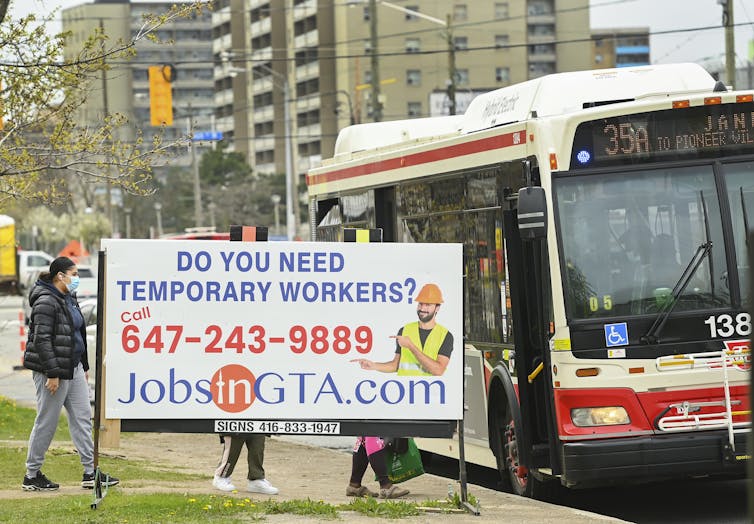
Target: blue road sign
x=208 y=135
x=616 y=334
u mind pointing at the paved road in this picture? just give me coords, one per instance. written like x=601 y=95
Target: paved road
x=13 y=384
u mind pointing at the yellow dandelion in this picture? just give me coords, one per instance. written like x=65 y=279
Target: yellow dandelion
x=207 y=507
x=192 y=500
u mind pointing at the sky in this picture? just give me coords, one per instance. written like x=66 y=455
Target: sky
x=663 y=15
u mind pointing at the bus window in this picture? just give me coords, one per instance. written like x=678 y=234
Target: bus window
x=465 y=209
x=625 y=244
x=740 y=184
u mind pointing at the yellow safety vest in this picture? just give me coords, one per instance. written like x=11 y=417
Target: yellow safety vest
x=408 y=364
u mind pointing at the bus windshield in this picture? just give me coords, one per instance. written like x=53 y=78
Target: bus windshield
x=628 y=237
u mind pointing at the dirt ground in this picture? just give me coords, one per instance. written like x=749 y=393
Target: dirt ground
x=301 y=471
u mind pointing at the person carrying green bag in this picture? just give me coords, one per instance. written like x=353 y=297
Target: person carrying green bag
x=403 y=459
x=371 y=451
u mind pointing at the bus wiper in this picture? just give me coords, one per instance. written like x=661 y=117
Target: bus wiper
x=651 y=336
x=744 y=212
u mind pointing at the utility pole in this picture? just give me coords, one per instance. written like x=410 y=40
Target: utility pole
x=106 y=111
x=730 y=42
x=451 y=68
x=290 y=96
x=198 y=215
x=376 y=95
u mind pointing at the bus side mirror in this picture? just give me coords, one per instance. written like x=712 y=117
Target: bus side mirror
x=532 y=213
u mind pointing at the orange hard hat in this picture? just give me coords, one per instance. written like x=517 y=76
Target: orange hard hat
x=429 y=294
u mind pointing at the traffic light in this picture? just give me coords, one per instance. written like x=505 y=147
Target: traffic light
x=161 y=95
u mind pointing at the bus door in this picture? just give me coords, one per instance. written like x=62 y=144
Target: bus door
x=529 y=275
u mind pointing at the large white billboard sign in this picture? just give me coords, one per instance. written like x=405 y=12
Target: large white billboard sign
x=276 y=331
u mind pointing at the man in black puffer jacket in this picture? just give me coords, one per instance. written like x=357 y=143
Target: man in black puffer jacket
x=56 y=353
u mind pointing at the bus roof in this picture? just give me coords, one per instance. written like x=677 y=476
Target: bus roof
x=549 y=95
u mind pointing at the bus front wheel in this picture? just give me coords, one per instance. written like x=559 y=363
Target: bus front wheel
x=516 y=477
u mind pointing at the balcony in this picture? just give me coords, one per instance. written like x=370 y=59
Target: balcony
x=307 y=71
x=310 y=39
x=262 y=85
x=313 y=131
x=263 y=54
x=223 y=97
x=222 y=43
x=264 y=113
x=305 y=10
x=541 y=19
x=540 y=38
x=261 y=27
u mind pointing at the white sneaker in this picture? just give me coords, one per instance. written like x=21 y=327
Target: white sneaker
x=223 y=483
x=262 y=486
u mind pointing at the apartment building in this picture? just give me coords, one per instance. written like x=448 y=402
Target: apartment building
x=320 y=53
x=125 y=87
x=620 y=47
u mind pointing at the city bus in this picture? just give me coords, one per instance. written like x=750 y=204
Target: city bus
x=603 y=216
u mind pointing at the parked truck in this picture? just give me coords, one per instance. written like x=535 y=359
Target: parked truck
x=8 y=267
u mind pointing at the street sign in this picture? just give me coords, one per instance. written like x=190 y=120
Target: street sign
x=208 y=135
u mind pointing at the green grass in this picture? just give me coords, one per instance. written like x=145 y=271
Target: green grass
x=62 y=465
x=16 y=422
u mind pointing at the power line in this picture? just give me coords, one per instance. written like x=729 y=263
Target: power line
x=247 y=59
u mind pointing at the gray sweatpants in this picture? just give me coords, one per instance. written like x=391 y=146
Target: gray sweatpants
x=74 y=395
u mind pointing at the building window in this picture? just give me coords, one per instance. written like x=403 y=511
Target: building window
x=502 y=75
x=367 y=47
x=368 y=77
x=460 y=12
x=413 y=77
x=414 y=109
x=461 y=42
x=410 y=16
x=462 y=77
x=367 y=14
x=265 y=157
x=413 y=45
x=598 y=59
x=501 y=40
x=501 y=10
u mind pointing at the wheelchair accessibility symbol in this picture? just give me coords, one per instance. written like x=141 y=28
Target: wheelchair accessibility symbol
x=616 y=334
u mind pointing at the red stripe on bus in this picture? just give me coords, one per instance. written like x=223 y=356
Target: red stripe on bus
x=425 y=157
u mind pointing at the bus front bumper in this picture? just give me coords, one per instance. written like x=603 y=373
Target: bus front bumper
x=642 y=459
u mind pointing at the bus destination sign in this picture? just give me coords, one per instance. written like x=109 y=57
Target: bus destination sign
x=694 y=132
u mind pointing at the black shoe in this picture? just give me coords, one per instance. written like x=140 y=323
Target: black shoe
x=105 y=480
x=38 y=483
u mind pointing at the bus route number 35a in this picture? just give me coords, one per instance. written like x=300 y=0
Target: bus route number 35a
x=728 y=325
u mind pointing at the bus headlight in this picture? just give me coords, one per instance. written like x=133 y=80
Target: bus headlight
x=606 y=416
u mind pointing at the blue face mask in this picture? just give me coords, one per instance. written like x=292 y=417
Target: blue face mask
x=74 y=285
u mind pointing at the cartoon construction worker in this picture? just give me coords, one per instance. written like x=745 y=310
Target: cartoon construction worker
x=423 y=347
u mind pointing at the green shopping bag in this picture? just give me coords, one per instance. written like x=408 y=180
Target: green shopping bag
x=404 y=466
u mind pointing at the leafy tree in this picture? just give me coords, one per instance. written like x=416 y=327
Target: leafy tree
x=238 y=197
x=44 y=152
x=230 y=191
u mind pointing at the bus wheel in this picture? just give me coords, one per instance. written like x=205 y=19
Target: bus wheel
x=516 y=474
x=515 y=477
